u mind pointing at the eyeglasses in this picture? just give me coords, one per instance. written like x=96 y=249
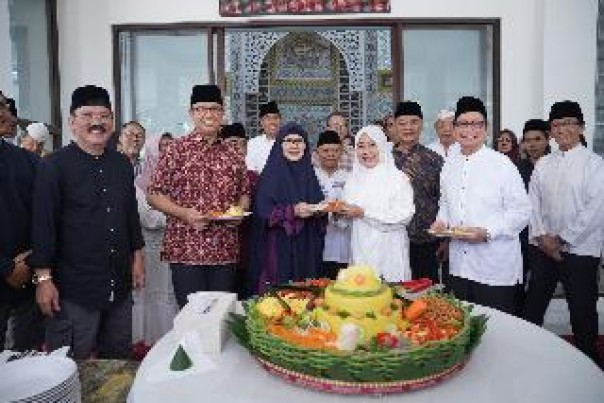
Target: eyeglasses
x=208 y=109
x=89 y=117
x=564 y=123
x=469 y=125
x=294 y=141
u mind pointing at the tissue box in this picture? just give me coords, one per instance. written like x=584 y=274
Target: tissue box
x=205 y=314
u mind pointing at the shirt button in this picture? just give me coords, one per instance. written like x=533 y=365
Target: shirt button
x=112 y=251
x=111 y=229
x=104 y=190
x=101 y=170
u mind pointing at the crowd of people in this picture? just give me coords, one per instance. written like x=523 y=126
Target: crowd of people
x=100 y=247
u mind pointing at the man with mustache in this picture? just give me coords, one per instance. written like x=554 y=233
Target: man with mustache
x=17 y=301
x=87 y=241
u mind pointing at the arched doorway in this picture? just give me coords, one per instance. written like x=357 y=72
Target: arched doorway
x=310 y=73
x=307 y=76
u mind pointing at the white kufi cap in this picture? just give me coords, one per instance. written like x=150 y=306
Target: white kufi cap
x=38 y=132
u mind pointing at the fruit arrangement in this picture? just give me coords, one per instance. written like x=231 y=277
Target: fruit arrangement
x=357 y=329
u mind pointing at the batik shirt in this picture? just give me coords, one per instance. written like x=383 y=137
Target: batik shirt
x=209 y=177
x=423 y=167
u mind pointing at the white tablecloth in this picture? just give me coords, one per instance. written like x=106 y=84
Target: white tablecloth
x=515 y=362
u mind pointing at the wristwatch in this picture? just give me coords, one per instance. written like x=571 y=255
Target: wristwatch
x=37 y=279
x=488 y=236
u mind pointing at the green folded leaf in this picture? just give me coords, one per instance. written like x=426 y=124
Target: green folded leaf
x=181 y=360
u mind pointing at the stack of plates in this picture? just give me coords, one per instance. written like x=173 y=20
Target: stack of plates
x=40 y=379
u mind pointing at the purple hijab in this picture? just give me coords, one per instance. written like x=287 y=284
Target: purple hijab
x=285 y=247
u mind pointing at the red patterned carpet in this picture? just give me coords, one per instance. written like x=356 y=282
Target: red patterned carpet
x=600 y=345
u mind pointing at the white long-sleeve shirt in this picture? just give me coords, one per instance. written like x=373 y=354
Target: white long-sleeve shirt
x=567 y=195
x=485 y=190
x=258 y=149
x=453 y=150
x=337 y=234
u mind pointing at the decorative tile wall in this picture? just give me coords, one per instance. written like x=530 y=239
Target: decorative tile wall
x=310 y=74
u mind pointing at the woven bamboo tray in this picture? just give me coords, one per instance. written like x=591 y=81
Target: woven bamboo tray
x=358 y=388
x=359 y=372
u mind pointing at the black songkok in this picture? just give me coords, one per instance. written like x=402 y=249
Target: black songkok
x=234 y=130
x=270 y=107
x=470 y=104
x=206 y=93
x=536 y=124
x=408 y=108
x=328 y=137
x=89 y=95
x=566 y=109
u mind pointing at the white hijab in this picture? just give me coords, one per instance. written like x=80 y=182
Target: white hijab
x=368 y=187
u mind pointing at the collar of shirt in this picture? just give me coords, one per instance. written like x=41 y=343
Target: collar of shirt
x=576 y=150
x=201 y=138
x=475 y=154
x=75 y=146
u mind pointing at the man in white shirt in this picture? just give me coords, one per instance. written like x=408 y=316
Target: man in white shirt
x=484 y=200
x=259 y=147
x=566 y=227
x=336 y=121
x=445 y=145
x=336 y=252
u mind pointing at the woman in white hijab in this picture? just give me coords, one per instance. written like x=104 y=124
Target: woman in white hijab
x=379 y=200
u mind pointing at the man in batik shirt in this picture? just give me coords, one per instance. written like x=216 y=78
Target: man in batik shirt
x=197 y=176
x=422 y=166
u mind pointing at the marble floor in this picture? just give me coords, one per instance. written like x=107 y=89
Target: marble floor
x=557 y=318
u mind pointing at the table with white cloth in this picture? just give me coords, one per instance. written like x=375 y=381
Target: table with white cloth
x=515 y=362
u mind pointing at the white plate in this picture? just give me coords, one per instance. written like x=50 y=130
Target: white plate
x=28 y=377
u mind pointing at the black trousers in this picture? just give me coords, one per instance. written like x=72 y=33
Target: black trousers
x=27 y=332
x=331 y=269
x=108 y=331
x=423 y=261
x=189 y=279
x=501 y=297
x=579 y=277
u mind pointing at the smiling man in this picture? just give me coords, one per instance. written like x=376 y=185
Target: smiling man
x=196 y=176
x=87 y=237
x=566 y=226
x=423 y=167
x=482 y=193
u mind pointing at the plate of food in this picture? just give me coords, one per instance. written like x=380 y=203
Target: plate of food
x=455 y=232
x=331 y=206
x=233 y=213
x=357 y=335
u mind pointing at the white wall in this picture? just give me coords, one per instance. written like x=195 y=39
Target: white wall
x=548 y=47
x=6 y=80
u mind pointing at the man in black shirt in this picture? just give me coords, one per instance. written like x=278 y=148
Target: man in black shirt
x=87 y=239
x=17 y=173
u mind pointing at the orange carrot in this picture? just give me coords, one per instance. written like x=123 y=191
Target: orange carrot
x=416 y=309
